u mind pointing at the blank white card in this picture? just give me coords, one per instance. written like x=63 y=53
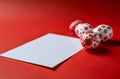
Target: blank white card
x=48 y=50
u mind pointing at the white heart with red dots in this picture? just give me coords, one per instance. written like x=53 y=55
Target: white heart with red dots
x=91 y=38
x=104 y=32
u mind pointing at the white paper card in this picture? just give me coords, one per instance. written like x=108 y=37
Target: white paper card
x=48 y=50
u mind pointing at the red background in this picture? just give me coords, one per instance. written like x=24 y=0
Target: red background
x=22 y=21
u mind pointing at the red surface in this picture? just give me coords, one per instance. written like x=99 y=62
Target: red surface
x=22 y=21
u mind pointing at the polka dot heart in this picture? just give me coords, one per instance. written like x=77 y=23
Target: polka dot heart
x=90 y=38
x=79 y=28
x=105 y=33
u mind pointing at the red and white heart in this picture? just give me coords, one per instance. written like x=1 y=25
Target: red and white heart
x=90 y=37
x=90 y=40
x=79 y=27
x=104 y=32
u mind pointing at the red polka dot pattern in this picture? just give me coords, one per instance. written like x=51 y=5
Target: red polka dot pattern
x=90 y=27
x=79 y=27
x=103 y=26
x=99 y=29
x=109 y=28
x=105 y=38
x=91 y=38
x=110 y=34
x=104 y=32
x=86 y=28
x=100 y=35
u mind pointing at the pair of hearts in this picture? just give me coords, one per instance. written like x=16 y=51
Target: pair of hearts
x=91 y=37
